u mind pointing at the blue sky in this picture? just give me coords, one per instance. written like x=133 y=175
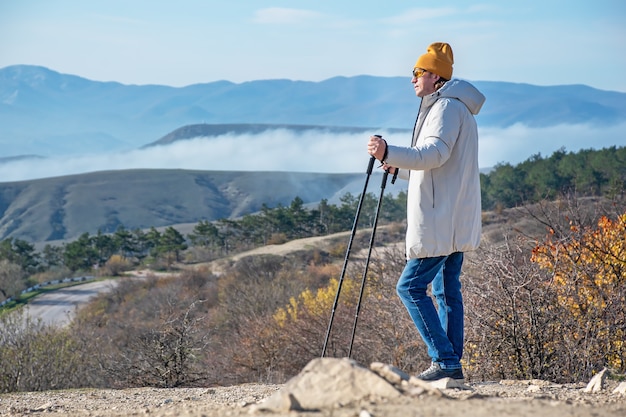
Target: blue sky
x=185 y=42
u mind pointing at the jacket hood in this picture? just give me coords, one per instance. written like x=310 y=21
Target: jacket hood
x=463 y=91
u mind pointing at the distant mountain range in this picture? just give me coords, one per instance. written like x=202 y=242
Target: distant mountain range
x=43 y=112
x=47 y=114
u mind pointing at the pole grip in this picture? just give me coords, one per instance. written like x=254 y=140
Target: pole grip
x=395 y=174
x=372 y=160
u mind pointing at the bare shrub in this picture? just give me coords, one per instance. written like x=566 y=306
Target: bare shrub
x=338 y=250
x=277 y=239
x=280 y=342
x=587 y=264
x=162 y=356
x=551 y=308
x=385 y=331
x=259 y=351
x=38 y=357
x=51 y=274
x=11 y=279
x=115 y=265
x=153 y=332
x=511 y=327
x=195 y=254
x=295 y=333
x=250 y=292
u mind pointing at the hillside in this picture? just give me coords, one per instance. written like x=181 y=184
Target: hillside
x=480 y=398
x=66 y=207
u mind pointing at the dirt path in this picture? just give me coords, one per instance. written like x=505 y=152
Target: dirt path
x=291 y=246
x=316 y=242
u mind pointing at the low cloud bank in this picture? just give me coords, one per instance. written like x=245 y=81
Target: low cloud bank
x=283 y=150
x=518 y=143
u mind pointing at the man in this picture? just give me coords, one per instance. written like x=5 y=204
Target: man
x=443 y=204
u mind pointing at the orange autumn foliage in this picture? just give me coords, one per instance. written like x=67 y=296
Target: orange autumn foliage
x=589 y=276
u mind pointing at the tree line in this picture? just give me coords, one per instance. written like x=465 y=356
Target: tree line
x=112 y=253
x=586 y=172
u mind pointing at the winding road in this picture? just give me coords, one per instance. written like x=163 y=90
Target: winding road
x=58 y=307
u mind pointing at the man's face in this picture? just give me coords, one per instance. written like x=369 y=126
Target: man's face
x=423 y=82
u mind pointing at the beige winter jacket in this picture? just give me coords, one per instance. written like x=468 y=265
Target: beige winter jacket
x=443 y=207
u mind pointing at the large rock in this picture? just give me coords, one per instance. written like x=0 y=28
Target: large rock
x=404 y=382
x=597 y=382
x=620 y=389
x=328 y=383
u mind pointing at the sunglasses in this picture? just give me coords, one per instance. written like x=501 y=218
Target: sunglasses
x=418 y=72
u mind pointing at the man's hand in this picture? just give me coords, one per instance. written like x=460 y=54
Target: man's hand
x=377 y=147
x=389 y=169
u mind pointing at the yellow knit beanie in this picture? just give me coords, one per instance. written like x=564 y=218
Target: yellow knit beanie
x=438 y=59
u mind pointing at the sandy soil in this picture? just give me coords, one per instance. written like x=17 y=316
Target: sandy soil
x=506 y=398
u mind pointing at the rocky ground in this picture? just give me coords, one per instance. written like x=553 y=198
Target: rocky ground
x=332 y=388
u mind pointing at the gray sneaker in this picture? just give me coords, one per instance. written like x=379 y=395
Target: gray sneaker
x=435 y=372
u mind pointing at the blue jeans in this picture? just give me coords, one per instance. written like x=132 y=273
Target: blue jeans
x=441 y=328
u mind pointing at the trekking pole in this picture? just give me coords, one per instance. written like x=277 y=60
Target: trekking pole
x=369 y=254
x=345 y=262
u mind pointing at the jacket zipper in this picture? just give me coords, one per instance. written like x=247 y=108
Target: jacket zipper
x=414 y=141
x=432 y=183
